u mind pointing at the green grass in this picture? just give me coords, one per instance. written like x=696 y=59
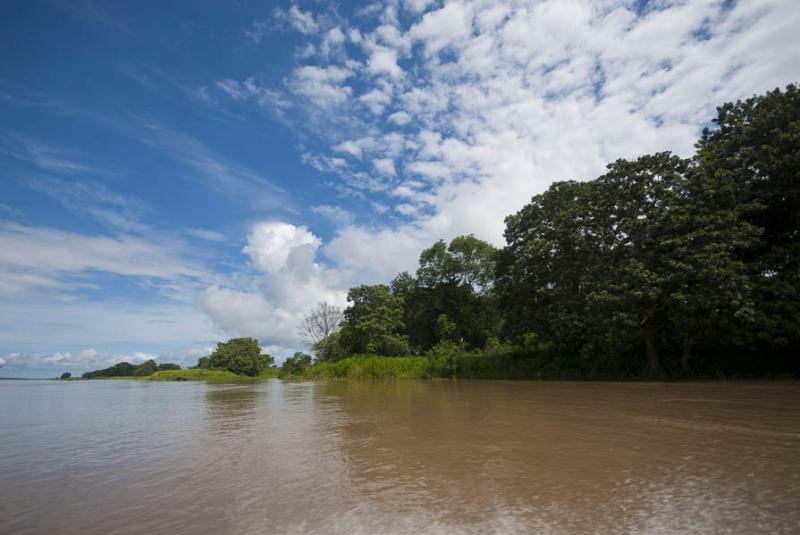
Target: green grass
x=371 y=367
x=189 y=374
x=193 y=374
x=197 y=374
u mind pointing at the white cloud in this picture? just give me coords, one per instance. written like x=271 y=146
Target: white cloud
x=384 y=166
x=510 y=96
x=376 y=100
x=336 y=214
x=206 y=234
x=324 y=86
x=83 y=322
x=86 y=359
x=271 y=304
x=303 y=21
x=45 y=156
x=383 y=60
x=270 y=244
x=400 y=118
x=46 y=258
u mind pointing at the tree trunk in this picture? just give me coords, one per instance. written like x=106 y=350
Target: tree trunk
x=686 y=351
x=653 y=366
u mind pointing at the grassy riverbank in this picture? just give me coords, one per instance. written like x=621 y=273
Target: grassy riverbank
x=190 y=374
x=500 y=365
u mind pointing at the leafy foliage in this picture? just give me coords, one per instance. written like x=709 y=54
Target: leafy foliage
x=241 y=356
x=374 y=322
x=295 y=365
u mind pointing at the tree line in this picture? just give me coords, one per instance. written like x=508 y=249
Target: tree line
x=662 y=265
x=126 y=369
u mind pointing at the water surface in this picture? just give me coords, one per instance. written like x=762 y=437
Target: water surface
x=403 y=457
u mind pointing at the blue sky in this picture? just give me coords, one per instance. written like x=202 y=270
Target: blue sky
x=174 y=174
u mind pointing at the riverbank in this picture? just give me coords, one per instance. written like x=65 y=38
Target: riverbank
x=493 y=366
x=189 y=374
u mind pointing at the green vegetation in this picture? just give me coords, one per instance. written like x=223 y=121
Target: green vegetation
x=371 y=367
x=241 y=356
x=239 y=359
x=197 y=374
x=296 y=365
x=126 y=369
x=65 y=376
x=661 y=267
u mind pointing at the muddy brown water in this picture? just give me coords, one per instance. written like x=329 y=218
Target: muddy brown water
x=399 y=457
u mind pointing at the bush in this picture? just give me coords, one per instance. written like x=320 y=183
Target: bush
x=371 y=367
x=238 y=355
x=295 y=365
x=121 y=369
x=146 y=368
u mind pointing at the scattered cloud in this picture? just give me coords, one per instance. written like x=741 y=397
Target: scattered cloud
x=42 y=258
x=482 y=104
x=336 y=214
x=86 y=359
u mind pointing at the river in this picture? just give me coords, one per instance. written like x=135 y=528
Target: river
x=117 y=457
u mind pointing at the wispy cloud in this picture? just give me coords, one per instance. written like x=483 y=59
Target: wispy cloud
x=230 y=179
x=206 y=234
x=43 y=258
x=337 y=214
x=46 y=156
x=95 y=200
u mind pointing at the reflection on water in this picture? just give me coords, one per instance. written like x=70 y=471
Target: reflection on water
x=230 y=408
x=442 y=456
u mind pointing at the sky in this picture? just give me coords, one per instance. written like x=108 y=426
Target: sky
x=179 y=173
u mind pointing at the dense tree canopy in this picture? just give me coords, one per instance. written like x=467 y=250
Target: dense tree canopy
x=238 y=355
x=373 y=323
x=126 y=369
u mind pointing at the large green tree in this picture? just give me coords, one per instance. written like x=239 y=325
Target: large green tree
x=752 y=157
x=373 y=323
x=638 y=257
x=238 y=355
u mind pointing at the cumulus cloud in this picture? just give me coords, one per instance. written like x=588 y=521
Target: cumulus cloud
x=288 y=283
x=270 y=244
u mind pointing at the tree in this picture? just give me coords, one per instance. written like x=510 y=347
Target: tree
x=641 y=256
x=455 y=280
x=466 y=261
x=319 y=328
x=267 y=361
x=121 y=369
x=295 y=364
x=238 y=355
x=149 y=367
x=373 y=323
x=752 y=158
x=65 y=375
x=168 y=366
